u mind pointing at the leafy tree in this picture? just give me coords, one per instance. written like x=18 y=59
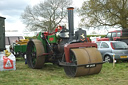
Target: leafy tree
x=104 y=13
x=45 y=15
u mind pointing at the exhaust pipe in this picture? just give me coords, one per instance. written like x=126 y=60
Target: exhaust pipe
x=70 y=23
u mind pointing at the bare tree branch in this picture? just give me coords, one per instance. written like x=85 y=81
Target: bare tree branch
x=45 y=15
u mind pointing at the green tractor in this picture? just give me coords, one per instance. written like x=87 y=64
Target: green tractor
x=66 y=48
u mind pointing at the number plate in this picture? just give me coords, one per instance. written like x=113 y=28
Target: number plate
x=123 y=56
x=90 y=66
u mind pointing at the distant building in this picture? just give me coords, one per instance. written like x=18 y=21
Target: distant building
x=30 y=34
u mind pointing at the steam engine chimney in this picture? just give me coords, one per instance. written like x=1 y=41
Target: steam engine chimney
x=70 y=23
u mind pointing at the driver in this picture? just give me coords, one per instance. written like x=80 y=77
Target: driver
x=58 y=29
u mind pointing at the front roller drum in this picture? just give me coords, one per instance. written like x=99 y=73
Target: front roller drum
x=80 y=57
x=35 y=49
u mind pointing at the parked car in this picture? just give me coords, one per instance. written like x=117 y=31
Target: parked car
x=117 y=35
x=112 y=36
x=110 y=48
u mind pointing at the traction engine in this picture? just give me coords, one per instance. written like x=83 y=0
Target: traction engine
x=65 y=48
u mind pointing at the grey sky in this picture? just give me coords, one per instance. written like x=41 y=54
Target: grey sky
x=12 y=9
x=6 y=5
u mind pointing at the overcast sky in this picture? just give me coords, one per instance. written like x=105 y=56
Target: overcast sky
x=12 y=9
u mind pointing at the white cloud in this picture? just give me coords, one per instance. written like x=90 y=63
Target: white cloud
x=34 y=2
x=15 y=26
x=12 y=9
x=77 y=3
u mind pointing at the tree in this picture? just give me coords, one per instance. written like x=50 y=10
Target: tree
x=45 y=15
x=104 y=13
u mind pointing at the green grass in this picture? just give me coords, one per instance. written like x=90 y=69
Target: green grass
x=54 y=75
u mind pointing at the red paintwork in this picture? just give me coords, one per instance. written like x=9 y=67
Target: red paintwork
x=76 y=45
x=112 y=45
x=103 y=39
x=116 y=31
x=46 y=34
x=114 y=38
x=88 y=39
x=51 y=39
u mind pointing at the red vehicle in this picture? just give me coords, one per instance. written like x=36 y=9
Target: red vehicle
x=117 y=35
x=112 y=36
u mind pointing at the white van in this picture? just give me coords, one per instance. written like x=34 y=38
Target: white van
x=11 y=38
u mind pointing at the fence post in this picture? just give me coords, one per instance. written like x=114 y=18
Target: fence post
x=114 y=61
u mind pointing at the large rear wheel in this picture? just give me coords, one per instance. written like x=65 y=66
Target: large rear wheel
x=35 y=50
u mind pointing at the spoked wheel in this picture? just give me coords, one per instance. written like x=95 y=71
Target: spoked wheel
x=82 y=56
x=108 y=59
x=33 y=55
x=35 y=58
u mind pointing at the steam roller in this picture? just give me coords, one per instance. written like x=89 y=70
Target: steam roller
x=84 y=62
x=66 y=48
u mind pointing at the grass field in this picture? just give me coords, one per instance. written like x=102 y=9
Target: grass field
x=54 y=75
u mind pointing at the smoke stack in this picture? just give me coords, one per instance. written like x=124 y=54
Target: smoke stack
x=70 y=23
